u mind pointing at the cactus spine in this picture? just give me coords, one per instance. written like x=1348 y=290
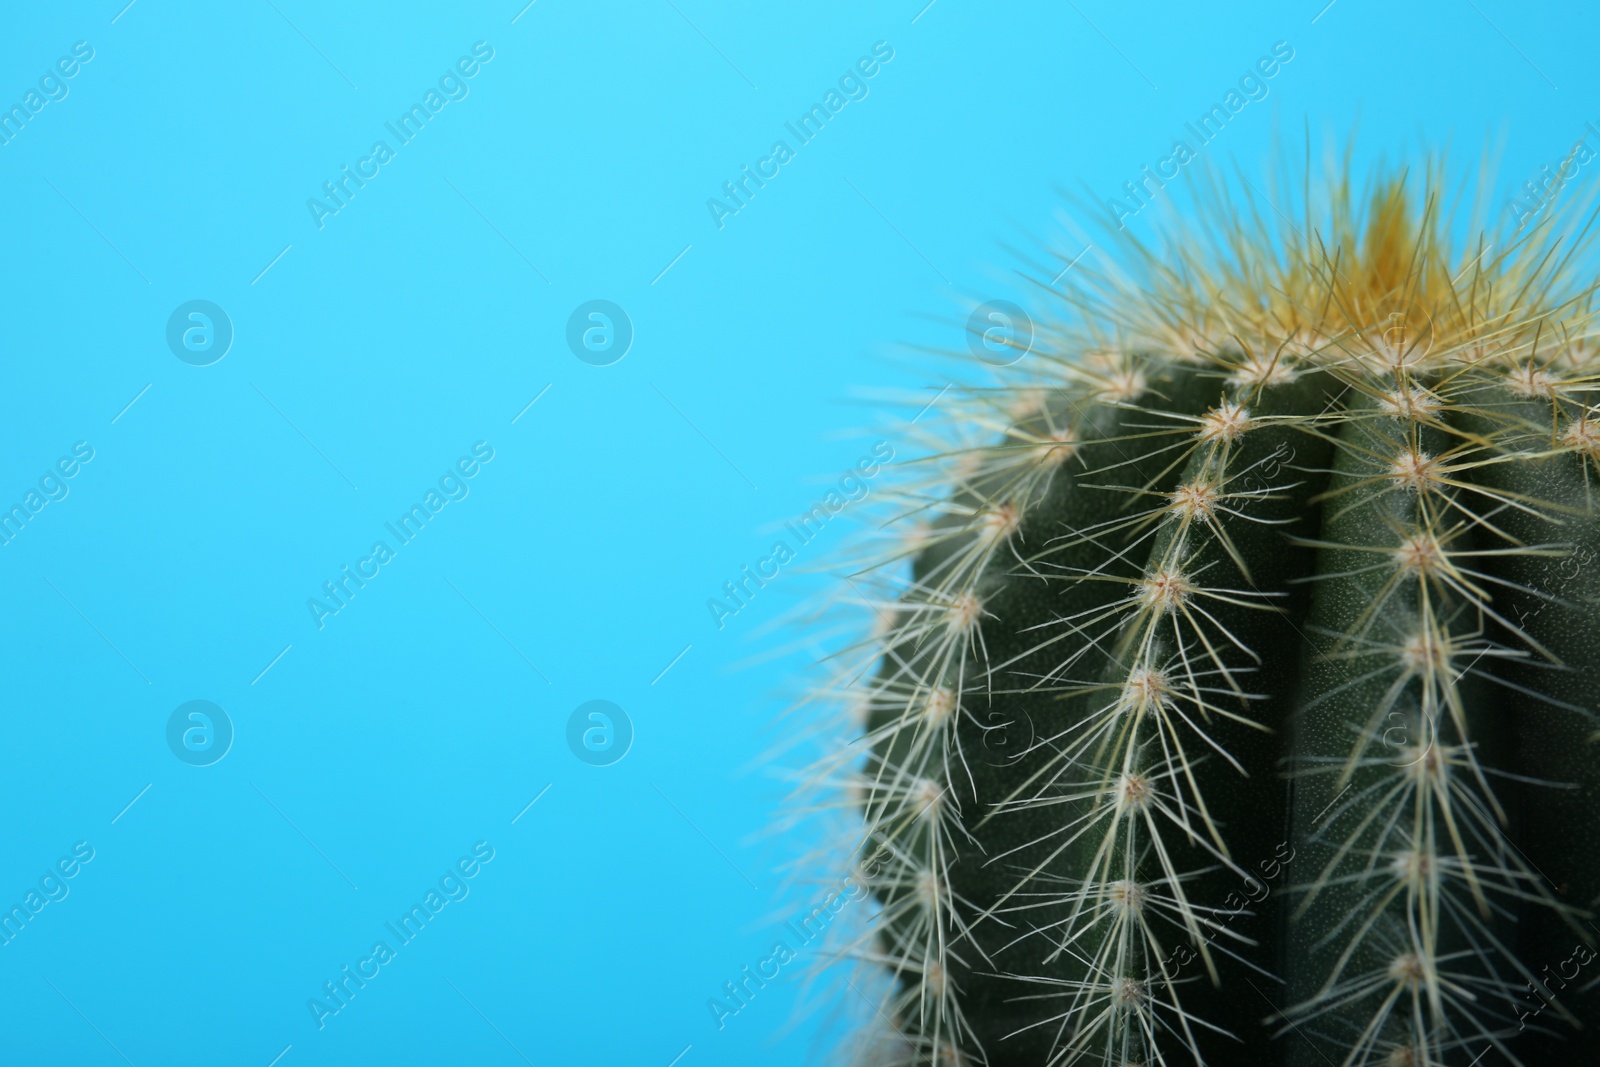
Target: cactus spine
x=1240 y=706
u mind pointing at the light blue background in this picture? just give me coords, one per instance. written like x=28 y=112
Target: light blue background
x=409 y=328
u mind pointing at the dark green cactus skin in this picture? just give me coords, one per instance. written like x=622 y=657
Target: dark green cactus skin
x=1553 y=598
x=1276 y=471
x=1109 y=439
x=1372 y=731
x=1342 y=731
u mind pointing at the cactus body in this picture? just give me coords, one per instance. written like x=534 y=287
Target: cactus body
x=1241 y=706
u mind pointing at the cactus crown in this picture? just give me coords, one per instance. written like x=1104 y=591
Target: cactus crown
x=1195 y=732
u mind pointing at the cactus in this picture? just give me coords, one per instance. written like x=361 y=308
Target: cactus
x=1233 y=698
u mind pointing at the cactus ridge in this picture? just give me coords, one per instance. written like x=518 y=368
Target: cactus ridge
x=1200 y=721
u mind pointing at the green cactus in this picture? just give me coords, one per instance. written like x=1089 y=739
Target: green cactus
x=1239 y=702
